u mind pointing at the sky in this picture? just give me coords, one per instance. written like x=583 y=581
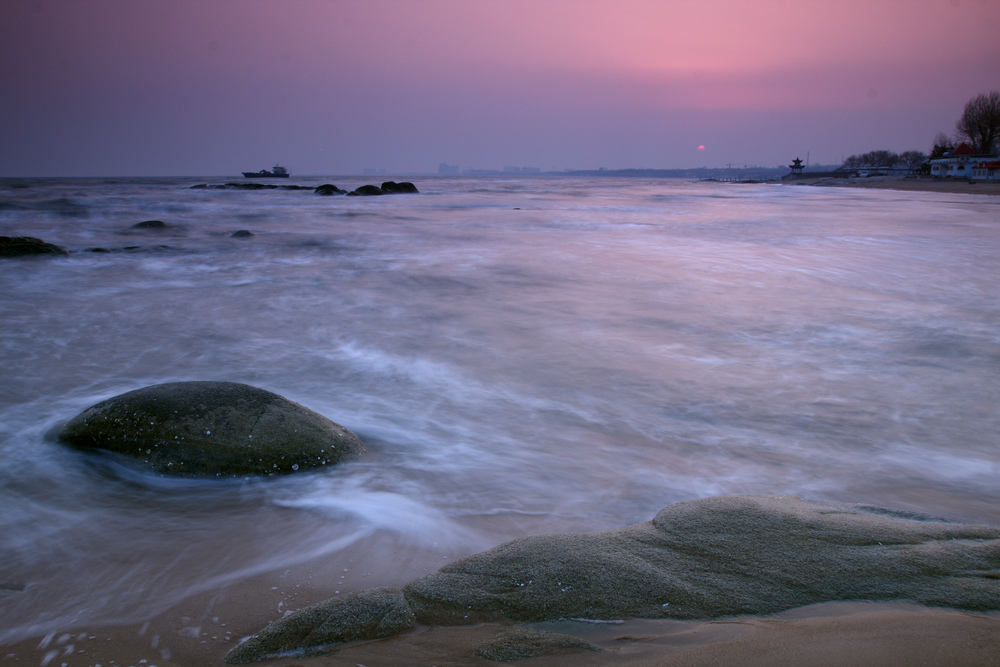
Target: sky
x=325 y=87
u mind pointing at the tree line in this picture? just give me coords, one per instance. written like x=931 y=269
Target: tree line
x=978 y=128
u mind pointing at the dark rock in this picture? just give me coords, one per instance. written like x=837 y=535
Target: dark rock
x=392 y=188
x=521 y=643
x=294 y=187
x=242 y=233
x=371 y=614
x=366 y=191
x=149 y=224
x=19 y=246
x=218 y=429
x=328 y=189
x=250 y=186
x=717 y=557
x=200 y=186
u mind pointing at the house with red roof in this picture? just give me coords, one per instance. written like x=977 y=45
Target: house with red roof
x=987 y=170
x=960 y=163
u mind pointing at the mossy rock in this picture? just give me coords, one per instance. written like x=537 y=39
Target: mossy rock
x=221 y=429
x=723 y=556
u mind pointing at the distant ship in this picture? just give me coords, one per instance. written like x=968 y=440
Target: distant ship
x=277 y=172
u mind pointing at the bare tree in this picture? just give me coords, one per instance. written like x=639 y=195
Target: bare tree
x=980 y=123
x=912 y=159
x=873 y=160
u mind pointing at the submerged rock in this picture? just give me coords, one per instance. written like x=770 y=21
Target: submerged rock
x=701 y=559
x=149 y=224
x=20 y=246
x=211 y=428
x=241 y=233
x=250 y=186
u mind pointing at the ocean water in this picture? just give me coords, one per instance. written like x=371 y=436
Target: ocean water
x=520 y=356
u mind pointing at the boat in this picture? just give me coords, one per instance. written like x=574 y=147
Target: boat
x=277 y=172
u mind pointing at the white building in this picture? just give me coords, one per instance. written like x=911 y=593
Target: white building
x=959 y=163
x=987 y=170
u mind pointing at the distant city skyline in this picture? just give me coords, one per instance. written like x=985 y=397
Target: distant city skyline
x=216 y=87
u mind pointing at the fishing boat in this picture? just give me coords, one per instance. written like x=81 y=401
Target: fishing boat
x=277 y=172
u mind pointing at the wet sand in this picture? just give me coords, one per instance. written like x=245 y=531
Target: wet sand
x=203 y=629
x=906 y=184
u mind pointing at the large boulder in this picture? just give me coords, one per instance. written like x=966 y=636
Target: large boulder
x=19 y=246
x=700 y=559
x=394 y=188
x=366 y=191
x=328 y=189
x=220 y=429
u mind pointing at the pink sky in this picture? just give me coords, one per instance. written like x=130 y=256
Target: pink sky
x=167 y=87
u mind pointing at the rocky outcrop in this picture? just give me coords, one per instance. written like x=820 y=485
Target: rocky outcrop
x=241 y=234
x=20 y=246
x=220 y=429
x=247 y=186
x=327 y=189
x=697 y=559
x=366 y=191
x=393 y=188
x=371 y=614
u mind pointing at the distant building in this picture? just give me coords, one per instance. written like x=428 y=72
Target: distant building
x=445 y=169
x=796 y=166
x=961 y=163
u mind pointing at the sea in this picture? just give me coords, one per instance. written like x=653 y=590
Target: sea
x=519 y=355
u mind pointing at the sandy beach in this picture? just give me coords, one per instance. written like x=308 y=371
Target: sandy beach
x=204 y=628
x=201 y=631
x=907 y=184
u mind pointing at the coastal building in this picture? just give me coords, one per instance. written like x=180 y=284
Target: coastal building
x=796 y=166
x=987 y=170
x=959 y=163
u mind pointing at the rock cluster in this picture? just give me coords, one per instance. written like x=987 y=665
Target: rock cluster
x=697 y=559
x=220 y=429
x=387 y=188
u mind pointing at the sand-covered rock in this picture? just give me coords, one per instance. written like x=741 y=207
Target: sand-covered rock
x=212 y=428
x=371 y=614
x=521 y=643
x=718 y=557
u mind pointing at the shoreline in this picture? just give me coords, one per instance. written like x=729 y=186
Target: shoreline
x=991 y=188
x=852 y=597
x=197 y=633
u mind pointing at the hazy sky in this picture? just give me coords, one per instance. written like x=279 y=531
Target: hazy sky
x=215 y=87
